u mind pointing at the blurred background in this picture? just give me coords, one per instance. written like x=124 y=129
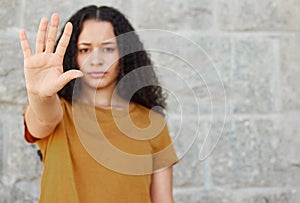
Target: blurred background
x=249 y=62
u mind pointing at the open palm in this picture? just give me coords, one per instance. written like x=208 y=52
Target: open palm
x=43 y=70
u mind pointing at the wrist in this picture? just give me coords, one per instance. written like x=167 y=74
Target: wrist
x=34 y=97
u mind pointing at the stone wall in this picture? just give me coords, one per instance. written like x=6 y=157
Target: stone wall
x=251 y=46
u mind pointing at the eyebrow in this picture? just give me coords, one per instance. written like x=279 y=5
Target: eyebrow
x=103 y=43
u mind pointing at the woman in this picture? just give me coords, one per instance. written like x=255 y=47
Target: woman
x=81 y=163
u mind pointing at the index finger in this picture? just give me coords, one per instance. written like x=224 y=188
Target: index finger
x=64 y=40
x=25 y=44
x=41 y=35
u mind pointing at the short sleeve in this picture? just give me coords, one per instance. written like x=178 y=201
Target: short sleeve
x=42 y=143
x=164 y=153
x=28 y=136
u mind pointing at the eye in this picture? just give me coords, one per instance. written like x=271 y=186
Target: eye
x=83 y=50
x=108 y=49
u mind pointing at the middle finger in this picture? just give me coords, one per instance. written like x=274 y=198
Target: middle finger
x=52 y=33
x=40 y=39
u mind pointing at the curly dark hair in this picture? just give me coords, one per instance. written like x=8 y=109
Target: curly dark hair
x=132 y=57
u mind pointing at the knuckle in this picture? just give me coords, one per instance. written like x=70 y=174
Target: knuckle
x=63 y=45
x=39 y=41
x=50 y=39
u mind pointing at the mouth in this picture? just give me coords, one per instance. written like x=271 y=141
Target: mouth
x=97 y=74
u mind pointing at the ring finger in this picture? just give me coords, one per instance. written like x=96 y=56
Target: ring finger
x=52 y=33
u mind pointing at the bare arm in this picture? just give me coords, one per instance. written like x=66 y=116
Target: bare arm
x=42 y=115
x=44 y=76
x=161 y=187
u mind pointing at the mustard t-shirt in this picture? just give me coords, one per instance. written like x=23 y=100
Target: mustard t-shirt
x=100 y=155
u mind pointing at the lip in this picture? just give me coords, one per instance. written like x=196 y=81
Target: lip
x=97 y=74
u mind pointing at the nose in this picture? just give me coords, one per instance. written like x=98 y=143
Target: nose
x=96 y=58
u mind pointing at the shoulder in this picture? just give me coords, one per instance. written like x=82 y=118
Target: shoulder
x=151 y=124
x=147 y=112
x=147 y=117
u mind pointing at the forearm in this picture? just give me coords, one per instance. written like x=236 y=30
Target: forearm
x=42 y=114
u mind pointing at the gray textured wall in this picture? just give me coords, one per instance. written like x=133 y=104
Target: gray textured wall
x=254 y=45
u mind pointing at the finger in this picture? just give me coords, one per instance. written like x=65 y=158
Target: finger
x=64 y=40
x=52 y=33
x=25 y=44
x=41 y=35
x=68 y=76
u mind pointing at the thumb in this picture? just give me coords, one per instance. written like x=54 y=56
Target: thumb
x=68 y=76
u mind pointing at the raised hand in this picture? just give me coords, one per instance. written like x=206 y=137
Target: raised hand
x=43 y=70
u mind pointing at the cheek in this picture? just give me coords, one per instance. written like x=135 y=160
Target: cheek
x=115 y=68
x=114 y=61
x=80 y=60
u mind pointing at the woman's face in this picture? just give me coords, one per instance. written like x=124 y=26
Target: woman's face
x=98 y=55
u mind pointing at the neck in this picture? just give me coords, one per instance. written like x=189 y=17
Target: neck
x=102 y=97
